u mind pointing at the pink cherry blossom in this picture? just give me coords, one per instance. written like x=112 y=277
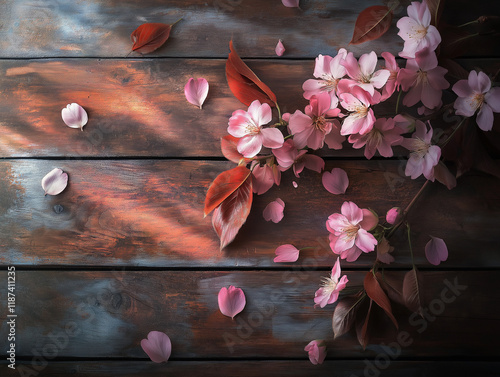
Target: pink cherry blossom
x=264 y=177
x=349 y=231
x=196 y=91
x=476 y=94
x=311 y=128
x=331 y=287
x=424 y=156
x=247 y=125
x=74 y=116
x=417 y=31
x=290 y=3
x=231 y=301
x=393 y=215
x=280 y=49
x=335 y=182
x=316 y=351
x=361 y=118
x=362 y=72
x=286 y=253
x=382 y=137
x=289 y=156
x=436 y=251
x=328 y=71
x=405 y=122
x=423 y=79
x=157 y=346
x=274 y=211
x=392 y=82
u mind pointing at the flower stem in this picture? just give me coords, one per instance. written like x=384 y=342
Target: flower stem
x=397 y=102
x=409 y=243
x=176 y=22
x=279 y=112
x=453 y=133
x=469 y=23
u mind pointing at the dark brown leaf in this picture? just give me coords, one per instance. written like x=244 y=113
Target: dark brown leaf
x=223 y=186
x=362 y=326
x=229 y=217
x=344 y=315
x=376 y=293
x=150 y=36
x=443 y=175
x=372 y=23
x=411 y=291
x=244 y=83
x=392 y=285
x=436 y=9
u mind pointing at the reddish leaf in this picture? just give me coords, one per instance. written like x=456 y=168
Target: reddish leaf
x=443 y=175
x=228 y=145
x=244 y=83
x=344 y=315
x=371 y=24
x=411 y=291
x=376 y=293
x=232 y=213
x=223 y=186
x=392 y=285
x=148 y=37
x=362 y=331
x=436 y=9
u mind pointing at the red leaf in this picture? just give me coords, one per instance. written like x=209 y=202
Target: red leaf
x=443 y=175
x=223 y=186
x=411 y=291
x=244 y=83
x=376 y=293
x=371 y=24
x=344 y=315
x=436 y=8
x=392 y=285
x=228 y=145
x=362 y=331
x=148 y=37
x=232 y=213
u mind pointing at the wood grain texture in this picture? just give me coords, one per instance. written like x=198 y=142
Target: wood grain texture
x=150 y=213
x=106 y=314
x=288 y=368
x=137 y=107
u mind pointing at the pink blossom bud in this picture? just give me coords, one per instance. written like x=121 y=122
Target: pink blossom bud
x=393 y=215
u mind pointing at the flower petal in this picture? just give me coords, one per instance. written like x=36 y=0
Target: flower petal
x=157 y=346
x=436 y=251
x=54 y=182
x=231 y=301
x=280 y=49
x=290 y=3
x=196 y=91
x=335 y=182
x=274 y=211
x=74 y=116
x=286 y=253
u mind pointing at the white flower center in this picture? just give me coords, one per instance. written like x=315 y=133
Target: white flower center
x=418 y=32
x=319 y=123
x=329 y=285
x=350 y=232
x=329 y=83
x=477 y=101
x=360 y=111
x=252 y=129
x=420 y=147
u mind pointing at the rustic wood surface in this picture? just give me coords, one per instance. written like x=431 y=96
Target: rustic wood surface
x=125 y=248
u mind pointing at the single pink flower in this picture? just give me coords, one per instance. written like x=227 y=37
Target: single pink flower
x=289 y=156
x=157 y=346
x=331 y=287
x=382 y=137
x=290 y=3
x=424 y=156
x=349 y=231
x=392 y=82
x=74 y=116
x=335 y=182
x=436 y=251
x=311 y=128
x=280 y=49
x=361 y=118
x=196 y=91
x=328 y=71
x=264 y=177
x=417 y=31
x=423 y=80
x=247 y=125
x=316 y=351
x=476 y=94
x=393 y=215
x=231 y=301
x=274 y=211
x=286 y=253
x=363 y=73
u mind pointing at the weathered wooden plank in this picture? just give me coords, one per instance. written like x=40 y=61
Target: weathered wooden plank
x=137 y=107
x=289 y=368
x=44 y=28
x=107 y=313
x=149 y=213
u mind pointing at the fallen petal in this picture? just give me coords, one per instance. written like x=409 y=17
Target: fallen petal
x=55 y=182
x=196 y=91
x=290 y=3
x=157 y=346
x=335 y=182
x=274 y=211
x=74 y=116
x=295 y=184
x=280 y=49
x=286 y=253
x=436 y=251
x=231 y=301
